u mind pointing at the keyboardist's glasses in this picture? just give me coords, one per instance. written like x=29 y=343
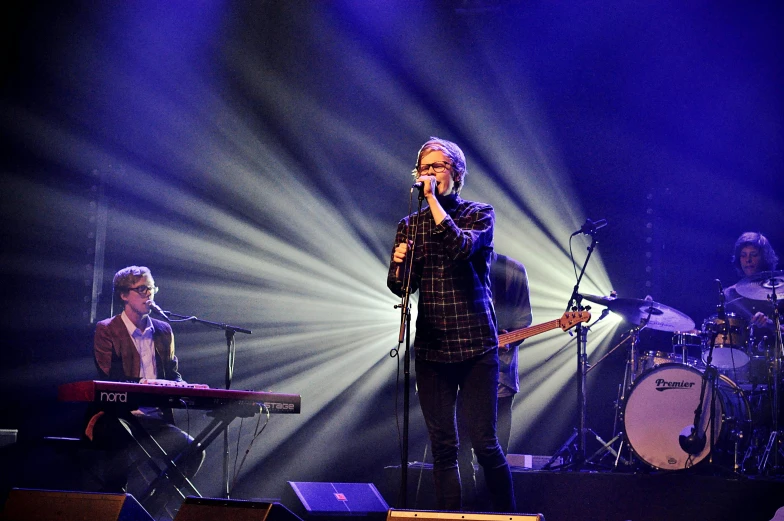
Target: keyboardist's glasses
x=145 y=290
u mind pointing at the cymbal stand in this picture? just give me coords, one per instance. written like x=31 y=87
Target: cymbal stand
x=776 y=436
x=623 y=390
x=578 y=459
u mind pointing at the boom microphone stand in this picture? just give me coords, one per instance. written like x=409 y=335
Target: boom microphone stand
x=230 y=355
x=575 y=304
x=693 y=437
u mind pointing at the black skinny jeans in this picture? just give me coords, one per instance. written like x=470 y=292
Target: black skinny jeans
x=477 y=381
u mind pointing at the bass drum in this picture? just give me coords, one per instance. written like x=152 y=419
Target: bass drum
x=661 y=406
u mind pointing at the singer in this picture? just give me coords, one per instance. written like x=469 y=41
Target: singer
x=128 y=347
x=456 y=343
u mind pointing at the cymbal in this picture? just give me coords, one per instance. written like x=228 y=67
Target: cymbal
x=598 y=299
x=759 y=286
x=662 y=318
x=746 y=307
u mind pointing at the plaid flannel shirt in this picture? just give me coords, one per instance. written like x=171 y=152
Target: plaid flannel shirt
x=451 y=270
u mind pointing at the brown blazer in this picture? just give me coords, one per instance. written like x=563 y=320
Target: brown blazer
x=118 y=360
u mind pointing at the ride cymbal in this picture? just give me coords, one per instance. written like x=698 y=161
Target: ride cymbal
x=759 y=286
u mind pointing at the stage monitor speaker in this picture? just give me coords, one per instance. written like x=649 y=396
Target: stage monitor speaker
x=340 y=499
x=432 y=515
x=209 y=509
x=55 y=505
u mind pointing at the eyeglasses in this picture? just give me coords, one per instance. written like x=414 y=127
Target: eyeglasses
x=145 y=290
x=438 y=167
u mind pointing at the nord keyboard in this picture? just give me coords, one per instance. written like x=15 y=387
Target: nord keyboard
x=175 y=396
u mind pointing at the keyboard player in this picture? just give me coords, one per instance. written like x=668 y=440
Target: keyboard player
x=131 y=347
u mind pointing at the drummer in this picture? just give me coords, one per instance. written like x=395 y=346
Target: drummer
x=752 y=255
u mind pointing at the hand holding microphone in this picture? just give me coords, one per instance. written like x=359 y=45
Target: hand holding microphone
x=427 y=185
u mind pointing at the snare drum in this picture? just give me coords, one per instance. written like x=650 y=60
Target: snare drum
x=729 y=351
x=661 y=405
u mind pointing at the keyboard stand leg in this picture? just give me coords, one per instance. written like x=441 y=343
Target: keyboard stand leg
x=172 y=471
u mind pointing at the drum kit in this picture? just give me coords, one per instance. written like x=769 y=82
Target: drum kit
x=713 y=395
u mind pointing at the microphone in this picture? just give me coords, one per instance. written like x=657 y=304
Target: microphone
x=419 y=184
x=155 y=307
x=590 y=227
x=693 y=442
x=605 y=312
x=720 y=308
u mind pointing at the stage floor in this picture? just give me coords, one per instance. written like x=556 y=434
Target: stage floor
x=565 y=495
x=569 y=495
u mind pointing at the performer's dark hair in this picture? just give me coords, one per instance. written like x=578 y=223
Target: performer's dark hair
x=769 y=259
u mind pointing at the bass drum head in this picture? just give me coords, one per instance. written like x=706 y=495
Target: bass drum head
x=661 y=406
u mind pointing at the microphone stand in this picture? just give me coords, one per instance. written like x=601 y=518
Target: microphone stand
x=693 y=444
x=230 y=355
x=404 y=334
x=575 y=304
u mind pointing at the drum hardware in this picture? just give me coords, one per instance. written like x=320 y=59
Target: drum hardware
x=748 y=457
x=628 y=380
x=644 y=313
x=763 y=286
x=736 y=464
x=690 y=346
x=765 y=458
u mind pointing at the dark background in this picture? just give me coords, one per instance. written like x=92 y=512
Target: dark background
x=255 y=155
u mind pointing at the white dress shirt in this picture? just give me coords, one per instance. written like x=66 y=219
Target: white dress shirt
x=142 y=339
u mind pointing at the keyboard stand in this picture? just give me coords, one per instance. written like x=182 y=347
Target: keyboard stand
x=221 y=420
